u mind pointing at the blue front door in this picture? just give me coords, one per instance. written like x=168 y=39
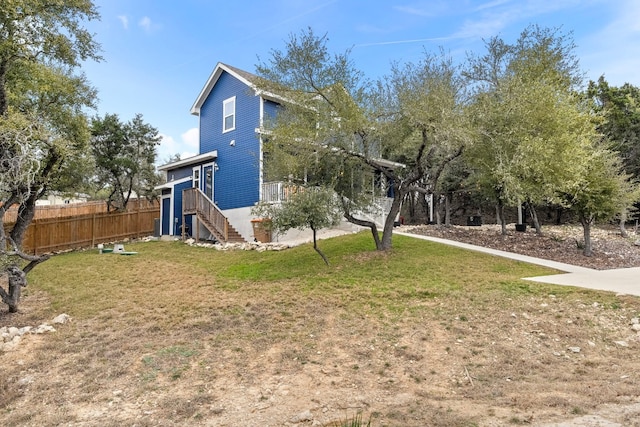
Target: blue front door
x=166 y=216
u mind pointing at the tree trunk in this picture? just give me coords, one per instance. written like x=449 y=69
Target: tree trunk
x=586 y=228
x=534 y=218
x=413 y=202
x=387 y=233
x=317 y=249
x=26 y=212
x=501 y=219
x=447 y=210
x=558 y=216
x=623 y=220
x=436 y=207
x=362 y=223
x=17 y=280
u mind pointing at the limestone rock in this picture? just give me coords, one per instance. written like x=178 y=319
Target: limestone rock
x=44 y=328
x=302 y=416
x=61 y=319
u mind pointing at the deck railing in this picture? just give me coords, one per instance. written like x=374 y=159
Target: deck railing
x=195 y=201
x=277 y=192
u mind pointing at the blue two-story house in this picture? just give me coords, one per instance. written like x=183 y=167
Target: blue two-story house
x=210 y=195
x=225 y=180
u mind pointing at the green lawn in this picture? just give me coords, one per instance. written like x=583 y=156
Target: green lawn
x=178 y=277
x=187 y=334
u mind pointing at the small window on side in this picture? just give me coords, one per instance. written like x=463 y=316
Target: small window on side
x=196 y=178
x=229 y=114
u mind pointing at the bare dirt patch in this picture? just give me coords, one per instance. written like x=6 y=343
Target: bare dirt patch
x=267 y=354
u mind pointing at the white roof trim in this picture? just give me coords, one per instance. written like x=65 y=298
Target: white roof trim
x=171 y=184
x=211 y=82
x=190 y=160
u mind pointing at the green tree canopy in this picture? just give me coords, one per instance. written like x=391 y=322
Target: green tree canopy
x=42 y=123
x=620 y=108
x=124 y=155
x=309 y=207
x=347 y=133
x=534 y=131
x=602 y=191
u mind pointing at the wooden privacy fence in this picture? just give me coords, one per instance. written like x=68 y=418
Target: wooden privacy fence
x=72 y=232
x=77 y=209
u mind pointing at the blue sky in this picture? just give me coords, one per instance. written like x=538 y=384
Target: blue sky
x=159 y=53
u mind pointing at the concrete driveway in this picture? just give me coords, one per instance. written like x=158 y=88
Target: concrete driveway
x=624 y=280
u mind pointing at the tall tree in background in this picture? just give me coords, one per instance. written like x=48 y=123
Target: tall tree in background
x=422 y=120
x=602 y=191
x=348 y=133
x=41 y=113
x=620 y=110
x=124 y=155
x=534 y=132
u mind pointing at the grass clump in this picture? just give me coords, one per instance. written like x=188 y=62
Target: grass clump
x=356 y=421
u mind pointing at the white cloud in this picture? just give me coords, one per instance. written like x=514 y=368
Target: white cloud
x=145 y=23
x=491 y=4
x=124 y=20
x=191 y=138
x=414 y=11
x=186 y=147
x=491 y=18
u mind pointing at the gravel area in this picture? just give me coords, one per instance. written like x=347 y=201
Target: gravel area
x=557 y=243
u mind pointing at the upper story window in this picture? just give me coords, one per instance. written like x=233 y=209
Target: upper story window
x=229 y=114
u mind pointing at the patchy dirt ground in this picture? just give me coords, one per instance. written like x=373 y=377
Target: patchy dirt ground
x=557 y=243
x=553 y=360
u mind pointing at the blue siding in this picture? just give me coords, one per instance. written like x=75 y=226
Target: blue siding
x=177 y=205
x=180 y=173
x=166 y=216
x=236 y=182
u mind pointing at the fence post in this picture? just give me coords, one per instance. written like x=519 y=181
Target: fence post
x=138 y=221
x=93 y=229
x=35 y=237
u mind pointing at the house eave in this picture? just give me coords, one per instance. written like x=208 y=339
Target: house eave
x=211 y=82
x=190 y=161
x=170 y=184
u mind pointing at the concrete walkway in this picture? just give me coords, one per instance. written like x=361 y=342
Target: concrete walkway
x=623 y=280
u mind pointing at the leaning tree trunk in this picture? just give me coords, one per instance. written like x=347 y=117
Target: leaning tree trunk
x=586 y=228
x=534 y=218
x=623 y=220
x=26 y=213
x=317 y=249
x=387 y=233
x=362 y=223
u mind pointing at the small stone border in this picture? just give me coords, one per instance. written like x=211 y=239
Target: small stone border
x=254 y=246
x=11 y=336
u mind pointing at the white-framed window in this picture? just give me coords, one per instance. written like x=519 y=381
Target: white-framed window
x=196 y=177
x=229 y=114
